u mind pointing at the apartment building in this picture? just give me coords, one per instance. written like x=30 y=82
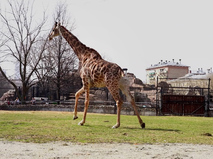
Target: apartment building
x=165 y=69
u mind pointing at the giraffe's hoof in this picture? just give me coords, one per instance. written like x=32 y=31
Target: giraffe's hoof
x=75 y=117
x=143 y=125
x=81 y=123
x=115 y=126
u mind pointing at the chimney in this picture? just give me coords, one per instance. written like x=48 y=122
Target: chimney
x=180 y=61
x=125 y=70
x=208 y=70
x=198 y=71
x=173 y=60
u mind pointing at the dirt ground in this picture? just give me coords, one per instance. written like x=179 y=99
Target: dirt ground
x=63 y=150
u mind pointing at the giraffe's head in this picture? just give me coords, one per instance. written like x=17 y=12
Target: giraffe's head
x=55 y=31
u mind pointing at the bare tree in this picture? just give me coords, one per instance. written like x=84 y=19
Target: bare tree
x=59 y=59
x=21 y=36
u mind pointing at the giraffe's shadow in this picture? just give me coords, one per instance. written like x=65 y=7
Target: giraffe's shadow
x=153 y=129
x=160 y=129
x=136 y=128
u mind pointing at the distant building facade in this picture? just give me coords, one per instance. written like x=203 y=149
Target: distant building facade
x=166 y=69
x=198 y=79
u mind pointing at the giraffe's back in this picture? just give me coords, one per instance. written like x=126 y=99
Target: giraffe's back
x=102 y=72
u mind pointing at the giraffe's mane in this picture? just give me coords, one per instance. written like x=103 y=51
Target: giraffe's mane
x=97 y=55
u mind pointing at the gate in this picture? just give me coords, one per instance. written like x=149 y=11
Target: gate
x=183 y=105
x=182 y=100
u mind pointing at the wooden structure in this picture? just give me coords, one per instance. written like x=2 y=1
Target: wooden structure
x=183 y=105
x=175 y=101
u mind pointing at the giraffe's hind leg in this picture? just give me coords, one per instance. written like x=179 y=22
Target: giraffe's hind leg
x=114 y=90
x=119 y=103
x=124 y=86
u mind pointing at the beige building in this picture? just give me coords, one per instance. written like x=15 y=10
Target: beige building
x=167 y=69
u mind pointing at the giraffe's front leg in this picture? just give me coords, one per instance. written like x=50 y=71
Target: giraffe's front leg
x=85 y=108
x=86 y=89
x=77 y=95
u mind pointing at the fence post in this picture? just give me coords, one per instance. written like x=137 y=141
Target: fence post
x=158 y=98
x=208 y=100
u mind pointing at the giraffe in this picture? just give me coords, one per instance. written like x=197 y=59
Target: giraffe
x=96 y=72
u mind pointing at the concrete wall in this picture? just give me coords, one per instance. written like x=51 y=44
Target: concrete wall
x=175 y=72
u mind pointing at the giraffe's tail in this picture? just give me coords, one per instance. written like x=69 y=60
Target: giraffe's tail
x=124 y=84
x=124 y=81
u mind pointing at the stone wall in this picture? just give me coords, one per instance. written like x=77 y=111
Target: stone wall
x=93 y=108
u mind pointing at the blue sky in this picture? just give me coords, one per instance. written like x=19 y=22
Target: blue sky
x=137 y=33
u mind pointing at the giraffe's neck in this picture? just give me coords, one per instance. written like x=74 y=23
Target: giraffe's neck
x=79 y=48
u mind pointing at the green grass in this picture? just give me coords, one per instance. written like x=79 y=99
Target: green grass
x=43 y=127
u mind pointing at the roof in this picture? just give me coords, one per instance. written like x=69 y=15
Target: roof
x=193 y=76
x=166 y=64
x=196 y=76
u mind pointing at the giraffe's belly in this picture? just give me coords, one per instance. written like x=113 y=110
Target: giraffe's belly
x=99 y=83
